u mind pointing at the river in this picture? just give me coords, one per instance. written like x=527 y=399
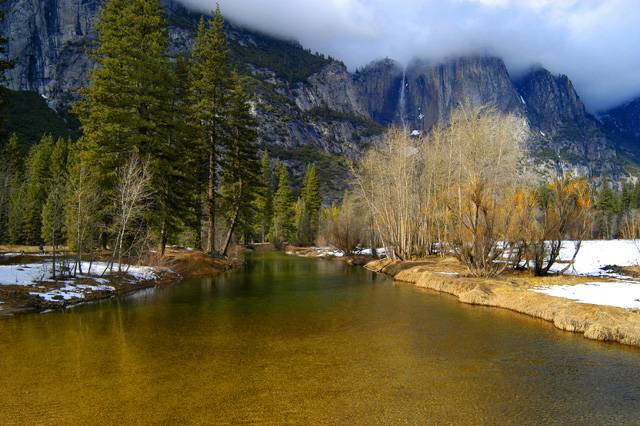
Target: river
x=296 y=340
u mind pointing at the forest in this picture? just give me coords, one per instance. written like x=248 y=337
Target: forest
x=170 y=154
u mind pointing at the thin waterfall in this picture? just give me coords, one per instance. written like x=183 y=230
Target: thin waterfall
x=402 y=107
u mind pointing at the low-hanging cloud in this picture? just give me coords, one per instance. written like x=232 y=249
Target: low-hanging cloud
x=595 y=42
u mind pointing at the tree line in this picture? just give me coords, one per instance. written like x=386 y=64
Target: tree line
x=464 y=190
x=169 y=153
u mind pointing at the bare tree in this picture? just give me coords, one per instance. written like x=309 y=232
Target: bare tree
x=553 y=215
x=344 y=225
x=83 y=197
x=388 y=180
x=476 y=160
x=131 y=198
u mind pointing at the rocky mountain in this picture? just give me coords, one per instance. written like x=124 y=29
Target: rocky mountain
x=623 y=122
x=311 y=108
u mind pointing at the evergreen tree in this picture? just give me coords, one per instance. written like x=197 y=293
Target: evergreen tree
x=282 y=207
x=240 y=164
x=210 y=84
x=264 y=198
x=312 y=201
x=609 y=206
x=127 y=106
x=11 y=172
x=25 y=210
x=301 y=222
x=178 y=186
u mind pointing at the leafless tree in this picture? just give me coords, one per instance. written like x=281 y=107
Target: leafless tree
x=83 y=197
x=131 y=198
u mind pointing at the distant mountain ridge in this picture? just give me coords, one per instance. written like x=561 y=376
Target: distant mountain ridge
x=309 y=104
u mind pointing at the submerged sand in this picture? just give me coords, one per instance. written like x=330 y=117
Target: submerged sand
x=514 y=292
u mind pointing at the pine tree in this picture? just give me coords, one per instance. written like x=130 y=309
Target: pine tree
x=301 y=222
x=240 y=164
x=11 y=172
x=177 y=159
x=282 y=207
x=264 y=198
x=312 y=201
x=210 y=84
x=127 y=106
x=25 y=210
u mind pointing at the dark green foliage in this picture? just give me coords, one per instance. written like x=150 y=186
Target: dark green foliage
x=11 y=176
x=283 y=212
x=45 y=174
x=30 y=118
x=287 y=59
x=126 y=106
x=240 y=165
x=370 y=127
x=209 y=90
x=264 y=199
x=311 y=204
x=333 y=170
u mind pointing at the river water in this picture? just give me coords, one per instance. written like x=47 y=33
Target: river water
x=297 y=340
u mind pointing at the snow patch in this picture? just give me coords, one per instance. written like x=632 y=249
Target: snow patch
x=620 y=294
x=31 y=273
x=595 y=255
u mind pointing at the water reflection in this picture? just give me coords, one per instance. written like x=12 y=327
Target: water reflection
x=300 y=340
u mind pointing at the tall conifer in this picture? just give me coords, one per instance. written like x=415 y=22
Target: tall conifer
x=240 y=164
x=127 y=106
x=210 y=84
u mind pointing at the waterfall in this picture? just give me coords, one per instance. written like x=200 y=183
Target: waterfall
x=402 y=107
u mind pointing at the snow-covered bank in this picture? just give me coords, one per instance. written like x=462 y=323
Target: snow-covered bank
x=596 y=255
x=37 y=280
x=596 y=258
x=333 y=252
x=622 y=294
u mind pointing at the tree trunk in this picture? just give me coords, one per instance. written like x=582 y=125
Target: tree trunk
x=163 y=238
x=232 y=227
x=211 y=203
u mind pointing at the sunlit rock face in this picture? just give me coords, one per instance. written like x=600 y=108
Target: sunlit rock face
x=305 y=100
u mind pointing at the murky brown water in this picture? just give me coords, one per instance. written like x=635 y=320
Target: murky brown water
x=305 y=341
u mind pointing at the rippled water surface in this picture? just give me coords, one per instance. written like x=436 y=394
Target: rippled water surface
x=306 y=341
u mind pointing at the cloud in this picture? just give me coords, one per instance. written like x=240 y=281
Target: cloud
x=595 y=42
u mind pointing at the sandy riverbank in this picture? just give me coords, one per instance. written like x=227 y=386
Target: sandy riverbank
x=516 y=292
x=26 y=284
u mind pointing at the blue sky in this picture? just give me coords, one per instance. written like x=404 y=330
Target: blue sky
x=595 y=42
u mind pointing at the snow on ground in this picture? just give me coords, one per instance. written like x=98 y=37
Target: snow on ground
x=331 y=252
x=30 y=273
x=595 y=255
x=69 y=292
x=622 y=294
x=593 y=259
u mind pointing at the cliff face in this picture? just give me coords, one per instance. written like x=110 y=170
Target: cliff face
x=565 y=135
x=434 y=91
x=47 y=41
x=304 y=100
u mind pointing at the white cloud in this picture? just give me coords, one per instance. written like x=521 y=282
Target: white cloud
x=595 y=42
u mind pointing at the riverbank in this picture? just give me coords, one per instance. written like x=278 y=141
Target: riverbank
x=521 y=293
x=599 y=296
x=26 y=283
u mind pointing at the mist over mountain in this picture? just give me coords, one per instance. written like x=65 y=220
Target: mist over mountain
x=594 y=42
x=313 y=108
